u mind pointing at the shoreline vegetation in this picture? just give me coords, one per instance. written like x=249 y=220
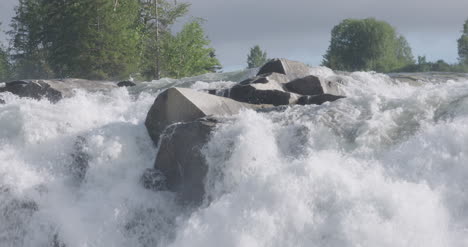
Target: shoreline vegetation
x=117 y=40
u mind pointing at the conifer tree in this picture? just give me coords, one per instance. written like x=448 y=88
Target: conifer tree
x=4 y=65
x=256 y=57
x=28 y=52
x=5 y=68
x=463 y=45
x=157 y=17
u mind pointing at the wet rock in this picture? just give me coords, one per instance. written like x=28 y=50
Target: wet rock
x=15 y=216
x=267 y=78
x=54 y=90
x=153 y=179
x=80 y=163
x=56 y=242
x=318 y=99
x=32 y=89
x=68 y=86
x=181 y=160
x=291 y=69
x=2 y=101
x=263 y=89
x=313 y=85
x=126 y=84
x=183 y=104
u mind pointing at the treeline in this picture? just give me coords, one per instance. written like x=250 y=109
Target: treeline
x=105 y=39
x=373 y=45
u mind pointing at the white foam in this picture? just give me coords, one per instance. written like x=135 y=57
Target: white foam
x=387 y=166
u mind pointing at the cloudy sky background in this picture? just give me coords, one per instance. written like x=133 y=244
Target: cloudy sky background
x=300 y=29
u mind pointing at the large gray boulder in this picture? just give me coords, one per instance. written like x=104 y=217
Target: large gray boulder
x=313 y=85
x=182 y=105
x=262 y=89
x=291 y=69
x=54 y=90
x=181 y=160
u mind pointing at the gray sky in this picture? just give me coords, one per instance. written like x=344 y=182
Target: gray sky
x=300 y=29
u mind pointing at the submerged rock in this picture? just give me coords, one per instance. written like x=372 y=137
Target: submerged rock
x=80 y=163
x=183 y=105
x=153 y=179
x=318 y=99
x=181 y=160
x=56 y=242
x=54 y=90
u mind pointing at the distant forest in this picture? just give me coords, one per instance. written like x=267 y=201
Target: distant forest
x=116 y=39
x=105 y=39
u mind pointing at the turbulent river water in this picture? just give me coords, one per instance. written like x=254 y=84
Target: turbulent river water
x=387 y=166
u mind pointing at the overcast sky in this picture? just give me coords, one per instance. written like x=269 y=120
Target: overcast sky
x=300 y=29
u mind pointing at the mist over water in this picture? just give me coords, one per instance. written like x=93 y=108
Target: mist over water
x=387 y=166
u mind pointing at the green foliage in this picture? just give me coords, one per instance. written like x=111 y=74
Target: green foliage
x=188 y=53
x=367 y=44
x=157 y=18
x=256 y=57
x=5 y=68
x=92 y=39
x=29 y=55
x=106 y=39
x=439 y=66
x=463 y=45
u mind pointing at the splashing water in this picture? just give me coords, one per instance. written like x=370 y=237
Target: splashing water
x=387 y=166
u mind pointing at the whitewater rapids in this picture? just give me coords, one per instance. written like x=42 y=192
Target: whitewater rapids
x=387 y=166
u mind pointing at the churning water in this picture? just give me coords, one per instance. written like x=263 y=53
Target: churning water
x=387 y=166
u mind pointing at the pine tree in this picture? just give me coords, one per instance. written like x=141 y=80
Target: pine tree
x=463 y=45
x=4 y=66
x=28 y=54
x=92 y=39
x=157 y=17
x=256 y=58
x=95 y=39
x=105 y=39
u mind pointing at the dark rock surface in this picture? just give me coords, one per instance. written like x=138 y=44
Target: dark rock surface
x=80 y=163
x=32 y=89
x=54 y=90
x=291 y=69
x=312 y=85
x=318 y=99
x=181 y=160
x=126 y=84
x=262 y=89
x=153 y=179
